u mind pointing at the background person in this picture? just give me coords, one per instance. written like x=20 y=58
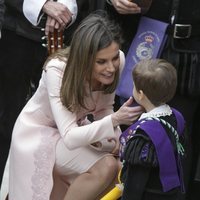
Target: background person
x=22 y=58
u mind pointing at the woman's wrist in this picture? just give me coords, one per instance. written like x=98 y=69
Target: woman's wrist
x=115 y=120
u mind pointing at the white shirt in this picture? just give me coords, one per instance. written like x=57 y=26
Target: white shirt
x=33 y=15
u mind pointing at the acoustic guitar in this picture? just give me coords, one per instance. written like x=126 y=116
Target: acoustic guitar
x=54 y=41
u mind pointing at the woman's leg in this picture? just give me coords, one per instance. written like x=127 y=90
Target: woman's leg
x=113 y=184
x=89 y=185
x=60 y=187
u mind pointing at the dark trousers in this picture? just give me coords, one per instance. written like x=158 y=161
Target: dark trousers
x=189 y=107
x=21 y=62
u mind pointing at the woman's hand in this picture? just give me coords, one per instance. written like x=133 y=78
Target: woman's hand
x=126 y=114
x=115 y=151
x=126 y=7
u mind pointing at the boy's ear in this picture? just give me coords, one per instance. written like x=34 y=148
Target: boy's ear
x=141 y=95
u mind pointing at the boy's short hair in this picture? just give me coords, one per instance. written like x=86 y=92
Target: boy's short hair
x=157 y=78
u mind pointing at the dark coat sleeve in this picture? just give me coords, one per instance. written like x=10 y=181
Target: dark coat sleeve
x=139 y=158
x=16 y=5
x=135 y=182
x=2 y=9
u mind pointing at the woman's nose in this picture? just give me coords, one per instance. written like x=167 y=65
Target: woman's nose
x=110 y=67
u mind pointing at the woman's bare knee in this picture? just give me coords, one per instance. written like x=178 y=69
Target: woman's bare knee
x=105 y=168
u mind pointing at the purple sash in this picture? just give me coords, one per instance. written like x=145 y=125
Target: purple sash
x=169 y=162
x=147 y=43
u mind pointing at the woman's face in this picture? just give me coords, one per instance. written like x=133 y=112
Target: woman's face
x=106 y=64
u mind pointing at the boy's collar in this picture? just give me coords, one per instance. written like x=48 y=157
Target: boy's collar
x=163 y=110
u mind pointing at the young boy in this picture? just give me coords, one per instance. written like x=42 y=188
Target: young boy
x=151 y=149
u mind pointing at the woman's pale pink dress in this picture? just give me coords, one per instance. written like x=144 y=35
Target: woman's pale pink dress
x=48 y=140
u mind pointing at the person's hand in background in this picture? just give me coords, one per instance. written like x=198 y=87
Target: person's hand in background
x=58 y=14
x=131 y=6
x=125 y=6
